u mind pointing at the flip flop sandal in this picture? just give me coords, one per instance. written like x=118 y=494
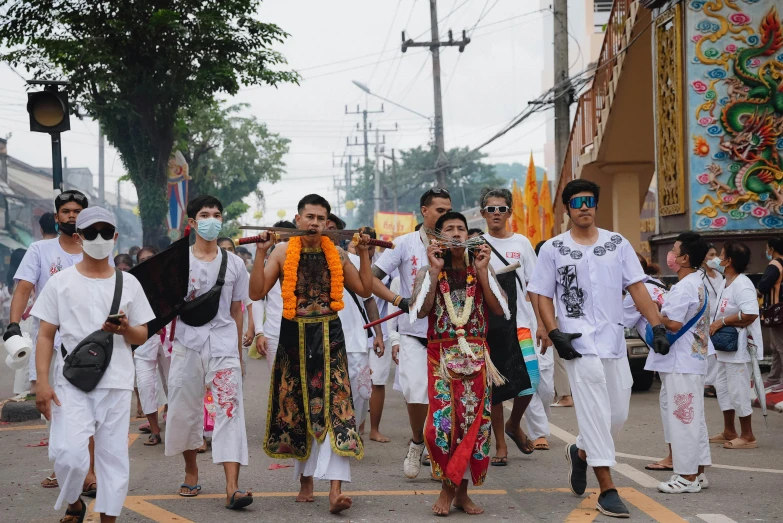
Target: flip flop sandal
x=239 y=502
x=426 y=461
x=660 y=467
x=718 y=438
x=50 y=482
x=191 y=488
x=90 y=490
x=153 y=440
x=739 y=443
x=145 y=428
x=540 y=444
x=709 y=392
x=522 y=448
x=75 y=516
x=499 y=461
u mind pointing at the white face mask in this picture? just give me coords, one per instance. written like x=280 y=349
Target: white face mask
x=714 y=264
x=98 y=248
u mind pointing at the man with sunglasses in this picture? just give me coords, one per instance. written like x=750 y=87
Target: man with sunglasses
x=585 y=271
x=77 y=301
x=513 y=344
x=408 y=256
x=44 y=259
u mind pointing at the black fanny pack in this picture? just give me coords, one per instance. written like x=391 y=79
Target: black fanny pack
x=204 y=308
x=87 y=363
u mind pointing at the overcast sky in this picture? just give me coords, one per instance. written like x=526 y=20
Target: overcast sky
x=333 y=43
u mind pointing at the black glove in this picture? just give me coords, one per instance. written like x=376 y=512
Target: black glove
x=562 y=343
x=12 y=330
x=404 y=305
x=660 y=343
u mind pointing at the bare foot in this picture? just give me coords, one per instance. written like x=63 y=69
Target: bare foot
x=566 y=401
x=339 y=502
x=377 y=436
x=466 y=505
x=443 y=505
x=305 y=490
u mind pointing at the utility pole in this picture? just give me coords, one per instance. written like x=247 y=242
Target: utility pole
x=366 y=144
x=562 y=86
x=101 y=171
x=377 y=173
x=441 y=164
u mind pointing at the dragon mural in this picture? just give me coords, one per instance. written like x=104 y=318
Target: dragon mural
x=736 y=94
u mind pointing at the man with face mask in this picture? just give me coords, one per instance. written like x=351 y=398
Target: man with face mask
x=208 y=351
x=103 y=412
x=44 y=259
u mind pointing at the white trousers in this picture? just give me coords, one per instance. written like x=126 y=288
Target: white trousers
x=601 y=389
x=271 y=351
x=190 y=372
x=712 y=370
x=537 y=413
x=413 y=370
x=732 y=384
x=361 y=384
x=323 y=463
x=105 y=415
x=684 y=426
x=147 y=372
x=380 y=367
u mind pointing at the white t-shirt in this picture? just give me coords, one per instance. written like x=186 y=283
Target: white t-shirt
x=713 y=286
x=351 y=318
x=517 y=248
x=220 y=334
x=739 y=296
x=586 y=284
x=688 y=355
x=80 y=306
x=408 y=256
x=632 y=318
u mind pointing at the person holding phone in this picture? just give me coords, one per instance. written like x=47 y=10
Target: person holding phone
x=103 y=412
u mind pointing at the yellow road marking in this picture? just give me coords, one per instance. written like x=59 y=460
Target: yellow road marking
x=154 y=512
x=132 y=438
x=650 y=507
x=477 y=492
x=25 y=427
x=585 y=512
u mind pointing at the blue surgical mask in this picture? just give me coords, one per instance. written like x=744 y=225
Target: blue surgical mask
x=209 y=228
x=769 y=256
x=720 y=268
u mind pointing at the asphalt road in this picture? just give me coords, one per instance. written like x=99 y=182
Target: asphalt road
x=745 y=484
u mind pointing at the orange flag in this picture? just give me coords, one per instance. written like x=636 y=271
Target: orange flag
x=517 y=210
x=532 y=217
x=548 y=212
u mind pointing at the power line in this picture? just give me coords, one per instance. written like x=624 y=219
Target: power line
x=386 y=40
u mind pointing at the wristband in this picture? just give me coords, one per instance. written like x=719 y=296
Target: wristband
x=397 y=300
x=739 y=316
x=724 y=321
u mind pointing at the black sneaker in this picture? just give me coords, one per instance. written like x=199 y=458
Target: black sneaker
x=577 y=470
x=610 y=504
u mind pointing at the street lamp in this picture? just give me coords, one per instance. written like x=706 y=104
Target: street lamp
x=366 y=89
x=49 y=113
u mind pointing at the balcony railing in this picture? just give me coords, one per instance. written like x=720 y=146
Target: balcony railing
x=593 y=101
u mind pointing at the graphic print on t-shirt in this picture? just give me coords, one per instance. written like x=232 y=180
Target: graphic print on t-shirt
x=573 y=297
x=56 y=267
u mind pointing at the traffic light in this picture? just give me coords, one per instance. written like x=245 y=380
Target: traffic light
x=49 y=113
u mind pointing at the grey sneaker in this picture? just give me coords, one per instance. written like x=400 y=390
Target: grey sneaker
x=577 y=470
x=412 y=464
x=610 y=504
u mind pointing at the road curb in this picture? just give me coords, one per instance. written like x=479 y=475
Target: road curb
x=15 y=411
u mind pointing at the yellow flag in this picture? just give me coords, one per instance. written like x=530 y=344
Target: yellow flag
x=548 y=212
x=517 y=210
x=532 y=217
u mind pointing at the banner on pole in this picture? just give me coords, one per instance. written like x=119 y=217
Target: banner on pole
x=177 y=195
x=389 y=225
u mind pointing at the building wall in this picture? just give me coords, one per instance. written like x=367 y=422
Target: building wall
x=734 y=63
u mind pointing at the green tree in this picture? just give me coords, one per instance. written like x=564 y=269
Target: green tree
x=134 y=65
x=228 y=155
x=415 y=175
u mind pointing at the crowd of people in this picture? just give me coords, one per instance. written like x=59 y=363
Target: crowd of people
x=472 y=319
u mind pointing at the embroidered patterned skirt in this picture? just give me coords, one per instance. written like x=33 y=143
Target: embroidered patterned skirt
x=310 y=393
x=457 y=430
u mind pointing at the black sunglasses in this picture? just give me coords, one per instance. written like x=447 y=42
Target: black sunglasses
x=492 y=209
x=66 y=197
x=90 y=233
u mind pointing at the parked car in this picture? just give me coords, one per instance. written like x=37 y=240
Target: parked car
x=637 y=357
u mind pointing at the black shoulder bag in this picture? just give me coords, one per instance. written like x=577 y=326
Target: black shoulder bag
x=204 y=308
x=87 y=363
x=370 y=332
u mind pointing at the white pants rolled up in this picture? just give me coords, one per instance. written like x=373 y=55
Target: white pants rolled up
x=190 y=372
x=732 y=384
x=413 y=370
x=361 y=383
x=601 y=389
x=712 y=370
x=103 y=414
x=684 y=421
x=147 y=372
x=323 y=463
x=380 y=367
x=537 y=413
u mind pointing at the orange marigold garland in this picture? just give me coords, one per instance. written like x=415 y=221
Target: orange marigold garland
x=291 y=268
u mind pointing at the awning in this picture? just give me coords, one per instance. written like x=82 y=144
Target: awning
x=10 y=242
